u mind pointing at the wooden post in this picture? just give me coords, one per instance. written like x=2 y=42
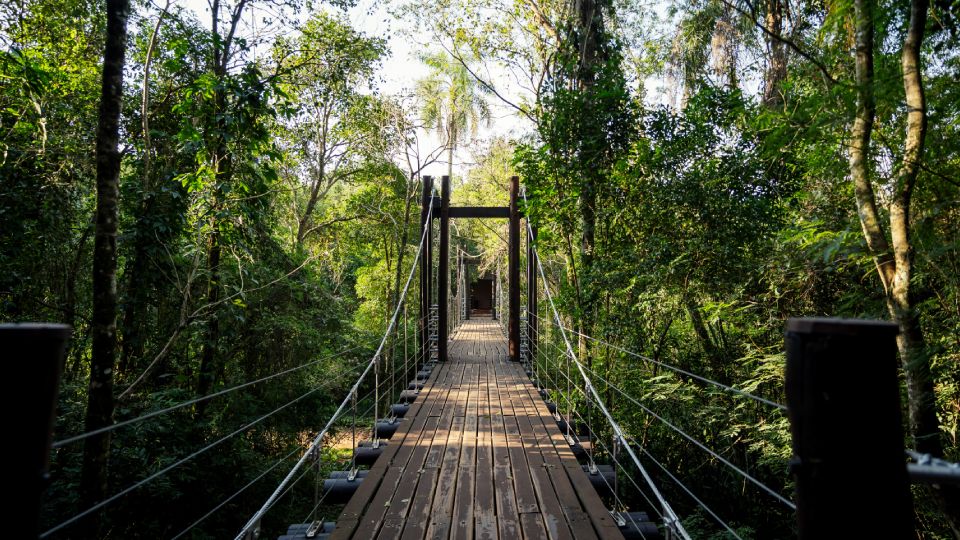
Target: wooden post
x=532 y=294
x=443 y=270
x=464 y=280
x=34 y=355
x=843 y=400
x=425 y=263
x=495 y=310
x=514 y=270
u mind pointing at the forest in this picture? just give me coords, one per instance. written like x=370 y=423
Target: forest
x=222 y=199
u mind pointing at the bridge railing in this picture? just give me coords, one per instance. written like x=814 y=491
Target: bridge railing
x=850 y=467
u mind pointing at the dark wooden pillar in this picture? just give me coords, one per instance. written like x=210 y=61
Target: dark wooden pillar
x=425 y=264
x=843 y=400
x=443 y=269
x=532 y=293
x=34 y=353
x=513 y=270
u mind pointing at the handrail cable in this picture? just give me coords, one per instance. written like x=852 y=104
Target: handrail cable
x=690 y=493
x=627 y=474
x=699 y=444
x=226 y=501
x=179 y=462
x=629 y=477
x=676 y=369
x=111 y=427
x=674 y=520
x=570 y=439
x=346 y=400
x=632 y=481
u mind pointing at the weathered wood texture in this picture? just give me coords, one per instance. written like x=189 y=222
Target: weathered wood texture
x=478 y=456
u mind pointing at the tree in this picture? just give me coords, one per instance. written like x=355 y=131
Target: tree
x=104 y=324
x=337 y=130
x=453 y=101
x=894 y=256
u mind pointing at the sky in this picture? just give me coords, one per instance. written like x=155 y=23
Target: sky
x=401 y=71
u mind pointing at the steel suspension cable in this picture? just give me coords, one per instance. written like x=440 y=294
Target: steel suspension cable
x=699 y=444
x=118 y=425
x=226 y=501
x=314 y=446
x=177 y=463
x=690 y=493
x=674 y=521
x=682 y=371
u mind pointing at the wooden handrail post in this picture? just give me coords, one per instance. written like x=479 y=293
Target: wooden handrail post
x=531 y=294
x=443 y=269
x=513 y=264
x=35 y=354
x=425 y=263
x=843 y=400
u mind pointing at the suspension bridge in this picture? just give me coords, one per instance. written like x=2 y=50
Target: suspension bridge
x=492 y=427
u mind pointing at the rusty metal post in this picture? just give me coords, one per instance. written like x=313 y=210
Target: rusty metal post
x=843 y=400
x=425 y=263
x=514 y=270
x=532 y=294
x=35 y=354
x=443 y=269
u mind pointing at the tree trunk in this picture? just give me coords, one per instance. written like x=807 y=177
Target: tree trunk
x=914 y=356
x=590 y=20
x=134 y=305
x=223 y=171
x=860 y=143
x=96 y=450
x=208 y=356
x=319 y=181
x=777 y=66
x=894 y=260
x=453 y=146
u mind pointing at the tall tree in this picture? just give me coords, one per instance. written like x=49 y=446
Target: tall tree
x=894 y=256
x=337 y=130
x=453 y=101
x=104 y=324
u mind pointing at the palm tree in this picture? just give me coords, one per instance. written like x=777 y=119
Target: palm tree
x=453 y=101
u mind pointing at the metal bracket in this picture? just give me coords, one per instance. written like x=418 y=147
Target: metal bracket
x=618 y=518
x=315 y=528
x=253 y=532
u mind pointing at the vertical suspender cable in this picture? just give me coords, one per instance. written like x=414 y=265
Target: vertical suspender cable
x=314 y=445
x=673 y=520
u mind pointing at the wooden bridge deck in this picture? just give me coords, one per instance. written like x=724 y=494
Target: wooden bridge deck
x=478 y=455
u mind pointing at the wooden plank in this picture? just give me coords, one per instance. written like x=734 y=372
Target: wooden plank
x=561 y=506
x=391 y=502
x=508 y=515
x=532 y=526
x=519 y=467
x=442 y=511
x=577 y=484
x=422 y=429
x=479 y=456
x=414 y=480
x=418 y=517
x=350 y=517
x=461 y=527
x=485 y=518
